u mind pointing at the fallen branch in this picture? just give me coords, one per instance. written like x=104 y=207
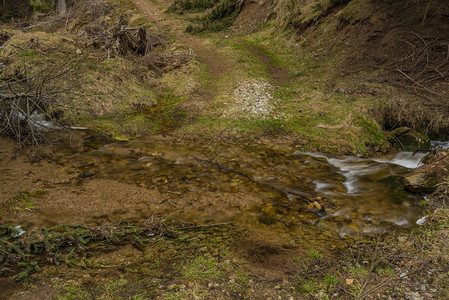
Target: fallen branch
x=204 y=226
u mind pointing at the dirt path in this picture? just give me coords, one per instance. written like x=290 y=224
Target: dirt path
x=278 y=74
x=207 y=53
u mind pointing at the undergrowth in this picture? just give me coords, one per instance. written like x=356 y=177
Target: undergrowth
x=24 y=254
x=180 y=6
x=219 y=18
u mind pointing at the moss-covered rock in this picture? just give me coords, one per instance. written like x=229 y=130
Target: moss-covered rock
x=408 y=139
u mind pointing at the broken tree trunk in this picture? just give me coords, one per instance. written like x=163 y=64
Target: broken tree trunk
x=62 y=7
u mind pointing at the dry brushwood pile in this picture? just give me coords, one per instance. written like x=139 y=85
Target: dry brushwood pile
x=29 y=104
x=423 y=72
x=98 y=26
x=24 y=253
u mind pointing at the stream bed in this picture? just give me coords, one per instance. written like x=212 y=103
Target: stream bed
x=221 y=183
x=97 y=182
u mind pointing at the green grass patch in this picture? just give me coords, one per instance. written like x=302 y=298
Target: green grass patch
x=315 y=255
x=118 y=289
x=202 y=268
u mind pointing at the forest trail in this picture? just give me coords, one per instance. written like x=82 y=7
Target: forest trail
x=207 y=53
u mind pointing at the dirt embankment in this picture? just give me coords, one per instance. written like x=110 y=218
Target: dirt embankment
x=393 y=50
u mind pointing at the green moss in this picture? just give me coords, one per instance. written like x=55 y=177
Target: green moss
x=430 y=182
x=372 y=133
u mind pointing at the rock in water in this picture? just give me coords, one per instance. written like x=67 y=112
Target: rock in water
x=420 y=181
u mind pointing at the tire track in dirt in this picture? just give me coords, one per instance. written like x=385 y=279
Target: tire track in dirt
x=277 y=73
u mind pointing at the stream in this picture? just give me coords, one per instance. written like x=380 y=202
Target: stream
x=206 y=182
x=247 y=184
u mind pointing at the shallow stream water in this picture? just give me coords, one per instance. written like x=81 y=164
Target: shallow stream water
x=255 y=184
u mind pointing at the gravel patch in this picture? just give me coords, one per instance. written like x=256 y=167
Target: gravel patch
x=252 y=99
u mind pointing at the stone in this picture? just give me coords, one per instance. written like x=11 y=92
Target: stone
x=413 y=296
x=78 y=51
x=419 y=181
x=349 y=281
x=402 y=239
x=408 y=139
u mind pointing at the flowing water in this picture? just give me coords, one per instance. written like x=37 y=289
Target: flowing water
x=214 y=183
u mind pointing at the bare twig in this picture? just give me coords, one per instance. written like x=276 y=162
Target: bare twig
x=204 y=226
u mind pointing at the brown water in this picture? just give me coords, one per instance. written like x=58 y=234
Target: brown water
x=253 y=184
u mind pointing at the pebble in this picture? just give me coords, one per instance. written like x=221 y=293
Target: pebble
x=413 y=296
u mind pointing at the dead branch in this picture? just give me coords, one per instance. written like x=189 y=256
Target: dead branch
x=28 y=101
x=204 y=226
